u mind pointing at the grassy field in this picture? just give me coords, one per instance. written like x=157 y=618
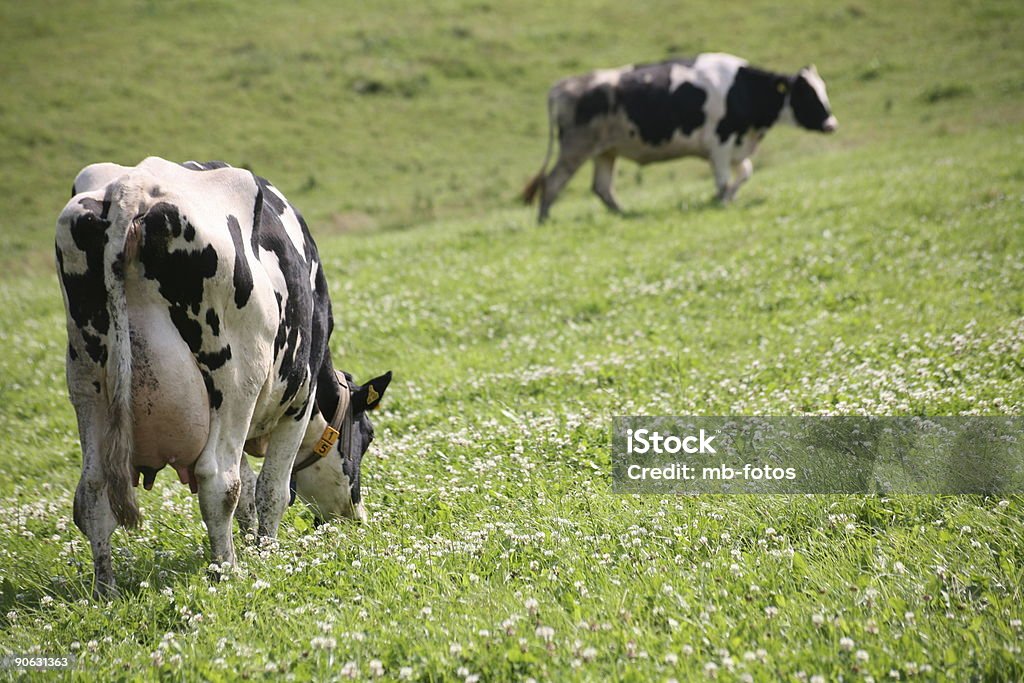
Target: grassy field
x=878 y=271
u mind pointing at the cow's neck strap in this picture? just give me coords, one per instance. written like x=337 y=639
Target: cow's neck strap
x=340 y=426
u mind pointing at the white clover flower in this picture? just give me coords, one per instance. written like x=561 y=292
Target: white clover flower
x=687 y=650
x=455 y=649
x=771 y=612
x=405 y=673
x=711 y=670
x=323 y=643
x=846 y=644
x=671 y=659
x=589 y=654
x=531 y=605
x=818 y=620
x=546 y=633
x=861 y=656
x=376 y=668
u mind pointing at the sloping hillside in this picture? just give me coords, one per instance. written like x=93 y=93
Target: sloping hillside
x=879 y=271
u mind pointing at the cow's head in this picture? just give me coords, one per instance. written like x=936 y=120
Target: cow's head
x=808 y=102
x=331 y=485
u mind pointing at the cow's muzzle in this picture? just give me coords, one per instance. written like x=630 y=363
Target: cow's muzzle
x=830 y=125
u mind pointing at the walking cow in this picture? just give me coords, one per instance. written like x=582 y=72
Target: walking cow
x=198 y=323
x=714 y=106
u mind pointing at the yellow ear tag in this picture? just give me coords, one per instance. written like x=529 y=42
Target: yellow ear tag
x=323 y=446
x=781 y=87
x=371 y=395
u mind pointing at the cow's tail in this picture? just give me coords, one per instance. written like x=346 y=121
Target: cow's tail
x=118 y=442
x=533 y=187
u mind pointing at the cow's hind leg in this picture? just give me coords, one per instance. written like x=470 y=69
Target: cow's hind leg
x=92 y=511
x=95 y=518
x=272 y=492
x=220 y=487
x=604 y=176
x=570 y=158
x=245 y=513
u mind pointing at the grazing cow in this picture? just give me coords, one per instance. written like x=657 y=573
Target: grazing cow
x=198 y=323
x=714 y=106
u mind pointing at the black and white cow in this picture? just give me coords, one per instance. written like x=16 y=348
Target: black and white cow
x=198 y=323
x=715 y=106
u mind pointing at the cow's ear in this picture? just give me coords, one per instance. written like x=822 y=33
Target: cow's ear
x=368 y=396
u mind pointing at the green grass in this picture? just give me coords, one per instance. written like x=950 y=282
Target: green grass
x=878 y=271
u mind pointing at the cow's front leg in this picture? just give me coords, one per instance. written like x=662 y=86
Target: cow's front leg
x=245 y=513
x=741 y=173
x=721 y=166
x=220 y=487
x=272 y=492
